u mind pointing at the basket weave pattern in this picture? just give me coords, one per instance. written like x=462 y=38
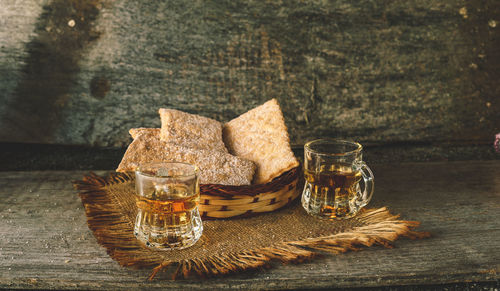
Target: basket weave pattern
x=220 y=201
x=223 y=201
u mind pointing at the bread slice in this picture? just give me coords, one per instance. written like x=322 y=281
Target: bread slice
x=191 y=130
x=215 y=167
x=134 y=132
x=260 y=135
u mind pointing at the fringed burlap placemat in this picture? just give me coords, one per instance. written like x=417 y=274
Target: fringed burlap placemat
x=288 y=235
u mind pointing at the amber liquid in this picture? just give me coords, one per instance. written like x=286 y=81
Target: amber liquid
x=172 y=222
x=331 y=192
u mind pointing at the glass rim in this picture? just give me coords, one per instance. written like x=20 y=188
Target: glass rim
x=139 y=170
x=358 y=146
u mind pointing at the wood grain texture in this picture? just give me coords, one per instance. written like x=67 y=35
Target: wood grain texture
x=45 y=242
x=368 y=70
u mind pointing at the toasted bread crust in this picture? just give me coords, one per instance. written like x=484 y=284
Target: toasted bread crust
x=260 y=135
x=191 y=130
x=216 y=167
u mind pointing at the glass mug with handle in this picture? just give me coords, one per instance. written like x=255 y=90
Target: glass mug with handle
x=337 y=182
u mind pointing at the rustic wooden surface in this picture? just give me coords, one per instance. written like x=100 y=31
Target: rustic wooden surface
x=85 y=71
x=45 y=242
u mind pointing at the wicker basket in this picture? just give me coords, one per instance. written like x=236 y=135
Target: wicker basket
x=220 y=201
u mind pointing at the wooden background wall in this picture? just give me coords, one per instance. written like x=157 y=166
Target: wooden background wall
x=85 y=71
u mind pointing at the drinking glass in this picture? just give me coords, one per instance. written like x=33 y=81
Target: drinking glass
x=167 y=200
x=337 y=182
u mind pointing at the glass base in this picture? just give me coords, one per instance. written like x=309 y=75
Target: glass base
x=326 y=206
x=169 y=237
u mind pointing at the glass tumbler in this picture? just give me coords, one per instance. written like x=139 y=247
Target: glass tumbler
x=167 y=197
x=337 y=182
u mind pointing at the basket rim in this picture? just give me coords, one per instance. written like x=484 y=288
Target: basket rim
x=252 y=190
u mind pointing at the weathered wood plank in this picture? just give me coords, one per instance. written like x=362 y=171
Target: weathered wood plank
x=85 y=71
x=45 y=242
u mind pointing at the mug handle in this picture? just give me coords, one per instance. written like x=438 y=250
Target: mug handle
x=367 y=174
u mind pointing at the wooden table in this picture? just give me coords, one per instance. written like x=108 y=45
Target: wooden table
x=45 y=242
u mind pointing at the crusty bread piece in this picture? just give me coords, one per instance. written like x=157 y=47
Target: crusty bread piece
x=215 y=167
x=134 y=132
x=260 y=135
x=191 y=130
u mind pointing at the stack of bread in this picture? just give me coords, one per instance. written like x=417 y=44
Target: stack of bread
x=253 y=148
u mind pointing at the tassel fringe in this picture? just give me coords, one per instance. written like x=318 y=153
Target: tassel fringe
x=107 y=223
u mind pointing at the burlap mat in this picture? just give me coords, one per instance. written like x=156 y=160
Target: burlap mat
x=231 y=245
